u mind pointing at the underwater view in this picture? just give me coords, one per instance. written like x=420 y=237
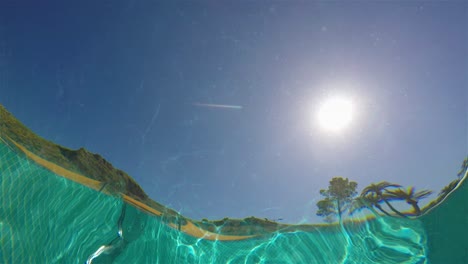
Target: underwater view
x=234 y=132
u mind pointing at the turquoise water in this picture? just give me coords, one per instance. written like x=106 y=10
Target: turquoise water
x=45 y=218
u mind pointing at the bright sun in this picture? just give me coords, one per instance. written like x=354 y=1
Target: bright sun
x=335 y=114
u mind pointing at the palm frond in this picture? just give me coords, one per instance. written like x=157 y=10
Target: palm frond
x=397 y=194
x=394 y=196
x=372 y=198
x=422 y=194
x=386 y=184
x=378 y=187
x=408 y=194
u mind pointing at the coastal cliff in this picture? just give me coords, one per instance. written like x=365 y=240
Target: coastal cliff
x=116 y=182
x=79 y=161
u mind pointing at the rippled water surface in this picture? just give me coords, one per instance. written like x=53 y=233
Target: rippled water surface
x=45 y=218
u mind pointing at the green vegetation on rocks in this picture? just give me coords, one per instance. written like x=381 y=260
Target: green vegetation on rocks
x=79 y=161
x=116 y=181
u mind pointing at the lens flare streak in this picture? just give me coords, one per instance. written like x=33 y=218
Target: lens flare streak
x=225 y=106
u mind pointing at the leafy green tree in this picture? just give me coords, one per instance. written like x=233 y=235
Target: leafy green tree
x=410 y=196
x=377 y=189
x=326 y=210
x=338 y=198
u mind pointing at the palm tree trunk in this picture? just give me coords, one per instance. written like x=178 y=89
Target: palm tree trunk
x=339 y=209
x=382 y=210
x=373 y=210
x=393 y=209
x=416 y=207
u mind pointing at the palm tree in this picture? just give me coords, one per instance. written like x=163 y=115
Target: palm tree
x=374 y=201
x=410 y=196
x=377 y=189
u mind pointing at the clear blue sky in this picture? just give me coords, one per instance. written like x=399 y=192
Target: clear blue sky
x=121 y=78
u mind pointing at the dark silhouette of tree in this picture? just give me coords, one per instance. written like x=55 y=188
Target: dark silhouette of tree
x=377 y=189
x=447 y=189
x=338 y=198
x=463 y=168
x=410 y=196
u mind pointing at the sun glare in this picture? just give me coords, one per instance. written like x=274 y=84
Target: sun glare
x=335 y=114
